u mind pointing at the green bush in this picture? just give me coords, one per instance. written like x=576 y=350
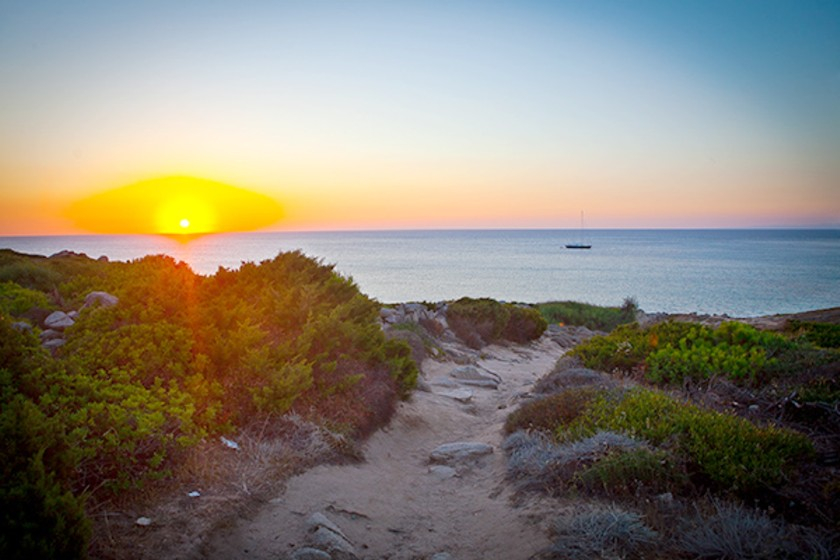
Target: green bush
x=824 y=335
x=726 y=451
x=547 y=413
x=593 y=317
x=671 y=352
x=633 y=471
x=479 y=322
x=16 y=300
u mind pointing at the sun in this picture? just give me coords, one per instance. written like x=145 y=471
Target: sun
x=180 y=206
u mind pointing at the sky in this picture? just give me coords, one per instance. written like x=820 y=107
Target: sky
x=405 y=115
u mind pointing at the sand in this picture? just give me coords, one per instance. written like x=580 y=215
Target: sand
x=394 y=504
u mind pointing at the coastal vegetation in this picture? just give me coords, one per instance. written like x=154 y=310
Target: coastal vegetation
x=134 y=388
x=483 y=321
x=594 y=317
x=722 y=438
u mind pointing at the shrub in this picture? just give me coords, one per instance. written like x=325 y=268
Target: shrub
x=735 y=533
x=16 y=300
x=824 y=335
x=590 y=316
x=728 y=452
x=634 y=471
x=599 y=532
x=479 y=322
x=546 y=413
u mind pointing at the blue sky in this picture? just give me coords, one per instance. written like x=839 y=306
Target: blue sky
x=431 y=114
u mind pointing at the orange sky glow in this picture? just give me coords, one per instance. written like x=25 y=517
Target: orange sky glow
x=134 y=118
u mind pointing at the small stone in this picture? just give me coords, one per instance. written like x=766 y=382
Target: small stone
x=459 y=451
x=441 y=556
x=143 y=521
x=442 y=472
x=308 y=553
x=21 y=326
x=460 y=395
x=53 y=343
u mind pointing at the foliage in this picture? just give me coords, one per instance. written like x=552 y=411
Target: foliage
x=672 y=352
x=824 y=335
x=727 y=452
x=593 y=317
x=16 y=300
x=547 y=413
x=179 y=358
x=600 y=532
x=631 y=471
x=483 y=321
x=40 y=517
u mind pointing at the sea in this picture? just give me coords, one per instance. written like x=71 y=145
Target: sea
x=740 y=273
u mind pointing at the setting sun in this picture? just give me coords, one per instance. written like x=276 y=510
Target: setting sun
x=175 y=206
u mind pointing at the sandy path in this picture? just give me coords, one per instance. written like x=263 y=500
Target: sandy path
x=392 y=505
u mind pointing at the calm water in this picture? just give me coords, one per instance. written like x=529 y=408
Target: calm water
x=739 y=272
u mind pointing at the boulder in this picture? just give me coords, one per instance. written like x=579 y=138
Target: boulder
x=460 y=395
x=471 y=375
x=459 y=451
x=58 y=320
x=100 y=298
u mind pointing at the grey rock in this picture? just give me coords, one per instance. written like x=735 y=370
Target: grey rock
x=459 y=451
x=333 y=543
x=471 y=375
x=309 y=553
x=326 y=535
x=22 y=326
x=441 y=556
x=50 y=334
x=460 y=395
x=54 y=343
x=100 y=298
x=58 y=320
x=442 y=472
x=318 y=519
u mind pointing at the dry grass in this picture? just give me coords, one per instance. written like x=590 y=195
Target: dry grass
x=231 y=483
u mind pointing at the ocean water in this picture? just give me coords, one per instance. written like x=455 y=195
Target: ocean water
x=737 y=272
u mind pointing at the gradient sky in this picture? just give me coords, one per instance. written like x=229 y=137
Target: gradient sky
x=370 y=115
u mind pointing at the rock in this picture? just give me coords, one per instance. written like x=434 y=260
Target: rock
x=54 y=343
x=455 y=452
x=103 y=258
x=308 y=553
x=441 y=556
x=470 y=375
x=22 y=326
x=460 y=395
x=67 y=253
x=143 y=521
x=326 y=535
x=442 y=472
x=318 y=519
x=58 y=320
x=50 y=334
x=73 y=314
x=100 y=298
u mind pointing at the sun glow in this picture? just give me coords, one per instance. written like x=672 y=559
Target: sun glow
x=175 y=206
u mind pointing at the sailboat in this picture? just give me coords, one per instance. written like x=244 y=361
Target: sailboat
x=580 y=245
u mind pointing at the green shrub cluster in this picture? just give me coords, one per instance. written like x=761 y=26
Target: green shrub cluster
x=16 y=300
x=593 y=317
x=824 y=335
x=483 y=321
x=182 y=357
x=718 y=451
x=671 y=352
x=725 y=451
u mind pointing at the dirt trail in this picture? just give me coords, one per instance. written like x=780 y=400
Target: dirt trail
x=393 y=505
